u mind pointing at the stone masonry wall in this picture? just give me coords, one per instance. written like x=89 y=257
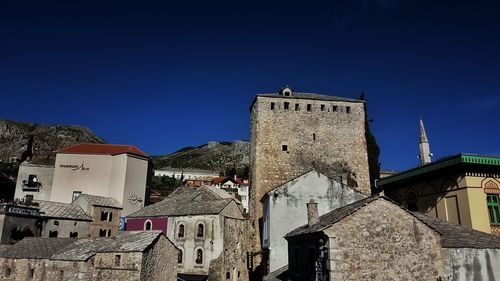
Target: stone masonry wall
x=381 y=241
x=231 y=264
x=332 y=142
x=159 y=263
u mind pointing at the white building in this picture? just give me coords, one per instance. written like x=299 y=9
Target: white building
x=285 y=209
x=187 y=174
x=34 y=179
x=234 y=186
x=116 y=171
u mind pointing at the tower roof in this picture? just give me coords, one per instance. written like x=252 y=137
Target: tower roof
x=423 y=135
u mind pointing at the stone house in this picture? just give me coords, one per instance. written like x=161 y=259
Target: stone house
x=105 y=213
x=293 y=132
x=34 y=179
x=462 y=189
x=17 y=222
x=291 y=198
x=63 y=220
x=137 y=256
x=375 y=239
x=209 y=230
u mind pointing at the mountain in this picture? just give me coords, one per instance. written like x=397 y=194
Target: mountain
x=15 y=135
x=216 y=156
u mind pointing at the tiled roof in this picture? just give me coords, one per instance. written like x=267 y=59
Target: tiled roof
x=122 y=242
x=60 y=210
x=279 y=274
x=456 y=236
x=309 y=96
x=185 y=201
x=35 y=248
x=452 y=236
x=79 y=249
x=102 y=201
x=441 y=164
x=96 y=148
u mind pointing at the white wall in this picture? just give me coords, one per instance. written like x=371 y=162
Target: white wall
x=212 y=243
x=285 y=209
x=187 y=174
x=44 y=175
x=121 y=177
x=464 y=264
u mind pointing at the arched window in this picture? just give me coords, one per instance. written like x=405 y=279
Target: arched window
x=179 y=257
x=201 y=230
x=411 y=201
x=180 y=231
x=199 y=256
x=148 y=225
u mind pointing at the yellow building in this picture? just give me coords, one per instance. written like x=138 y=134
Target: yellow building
x=463 y=189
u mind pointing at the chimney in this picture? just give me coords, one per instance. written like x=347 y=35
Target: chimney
x=312 y=213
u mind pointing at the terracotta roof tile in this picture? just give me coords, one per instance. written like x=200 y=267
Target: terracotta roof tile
x=95 y=148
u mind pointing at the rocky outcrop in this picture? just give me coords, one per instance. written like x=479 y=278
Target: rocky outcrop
x=216 y=156
x=14 y=137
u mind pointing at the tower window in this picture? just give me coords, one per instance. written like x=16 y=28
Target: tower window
x=314 y=136
x=285 y=105
x=297 y=108
x=272 y=106
x=348 y=109
x=179 y=257
x=309 y=106
x=118 y=260
x=284 y=147
x=334 y=108
x=322 y=107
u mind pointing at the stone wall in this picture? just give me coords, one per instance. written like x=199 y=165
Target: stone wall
x=231 y=264
x=98 y=224
x=465 y=264
x=330 y=141
x=160 y=262
x=381 y=241
x=10 y=222
x=65 y=227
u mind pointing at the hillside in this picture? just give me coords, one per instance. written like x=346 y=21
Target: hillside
x=14 y=136
x=216 y=156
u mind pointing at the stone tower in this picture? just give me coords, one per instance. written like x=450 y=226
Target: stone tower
x=292 y=133
x=423 y=145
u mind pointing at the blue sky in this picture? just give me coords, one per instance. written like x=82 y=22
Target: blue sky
x=167 y=74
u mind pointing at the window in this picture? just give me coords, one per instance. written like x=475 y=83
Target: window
x=74 y=223
x=284 y=147
x=148 y=225
x=411 y=201
x=297 y=108
x=180 y=231
x=110 y=216
x=118 y=260
x=348 y=109
x=102 y=232
x=29 y=198
x=285 y=105
x=201 y=230
x=322 y=107
x=314 y=136
x=109 y=232
x=56 y=222
x=334 y=108
x=493 y=201
x=73 y=234
x=272 y=106
x=199 y=256
x=104 y=216
x=179 y=256
x=32 y=273
x=8 y=272
x=53 y=233
x=228 y=275
x=61 y=275
x=309 y=106
x=75 y=195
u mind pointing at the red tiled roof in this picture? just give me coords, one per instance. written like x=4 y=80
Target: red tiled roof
x=218 y=180
x=95 y=148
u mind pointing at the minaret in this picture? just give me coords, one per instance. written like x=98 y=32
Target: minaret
x=423 y=145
